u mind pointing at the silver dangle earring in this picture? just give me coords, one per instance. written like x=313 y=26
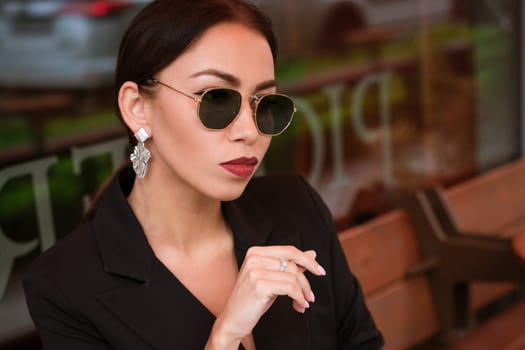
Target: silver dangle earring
x=141 y=154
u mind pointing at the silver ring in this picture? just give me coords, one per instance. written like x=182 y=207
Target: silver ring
x=284 y=265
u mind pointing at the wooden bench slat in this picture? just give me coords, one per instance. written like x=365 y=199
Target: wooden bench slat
x=381 y=251
x=504 y=331
x=514 y=227
x=475 y=201
x=516 y=344
x=518 y=247
x=482 y=293
x=404 y=313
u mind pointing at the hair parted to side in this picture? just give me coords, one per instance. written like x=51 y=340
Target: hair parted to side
x=165 y=29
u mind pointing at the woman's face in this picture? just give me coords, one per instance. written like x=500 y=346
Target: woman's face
x=215 y=163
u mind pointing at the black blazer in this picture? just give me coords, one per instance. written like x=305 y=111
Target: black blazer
x=101 y=287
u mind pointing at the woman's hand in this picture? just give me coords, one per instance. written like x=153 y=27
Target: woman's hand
x=266 y=273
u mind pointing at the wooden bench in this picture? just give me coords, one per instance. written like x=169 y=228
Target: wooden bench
x=409 y=296
x=491 y=206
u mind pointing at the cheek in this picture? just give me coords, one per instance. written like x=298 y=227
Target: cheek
x=264 y=144
x=175 y=130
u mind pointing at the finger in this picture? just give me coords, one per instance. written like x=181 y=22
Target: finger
x=312 y=252
x=314 y=255
x=298 y=272
x=292 y=277
x=256 y=261
x=273 y=265
x=304 y=259
x=298 y=307
x=305 y=287
x=274 y=287
x=294 y=271
x=264 y=262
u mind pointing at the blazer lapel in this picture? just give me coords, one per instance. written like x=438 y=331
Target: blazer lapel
x=149 y=299
x=162 y=311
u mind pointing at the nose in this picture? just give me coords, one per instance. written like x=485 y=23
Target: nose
x=243 y=128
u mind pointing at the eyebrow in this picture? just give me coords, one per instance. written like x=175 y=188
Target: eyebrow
x=233 y=80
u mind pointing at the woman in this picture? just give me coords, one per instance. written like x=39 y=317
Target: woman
x=183 y=250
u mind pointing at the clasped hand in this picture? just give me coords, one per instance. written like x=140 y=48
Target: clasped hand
x=267 y=272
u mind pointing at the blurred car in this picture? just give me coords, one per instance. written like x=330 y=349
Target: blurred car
x=74 y=43
x=61 y=43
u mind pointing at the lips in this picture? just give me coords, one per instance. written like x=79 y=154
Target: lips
x=242 y=167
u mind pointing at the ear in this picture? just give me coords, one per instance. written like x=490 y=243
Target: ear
x=132 y=106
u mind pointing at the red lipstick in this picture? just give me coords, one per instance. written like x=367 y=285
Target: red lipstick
x=241 y=167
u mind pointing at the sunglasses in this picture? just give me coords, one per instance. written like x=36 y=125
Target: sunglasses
x=218 y=108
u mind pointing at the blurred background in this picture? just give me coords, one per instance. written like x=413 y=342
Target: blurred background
x=392 y=95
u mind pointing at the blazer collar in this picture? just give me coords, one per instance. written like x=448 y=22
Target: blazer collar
x=148 y=307
x=126 y=252
x=124 y=248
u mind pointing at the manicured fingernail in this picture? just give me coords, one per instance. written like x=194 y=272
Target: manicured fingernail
x=312 y=297
x=313 y=253
x=306 y=305
x=321 y=270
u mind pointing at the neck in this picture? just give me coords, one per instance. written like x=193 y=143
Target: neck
x=175 y=214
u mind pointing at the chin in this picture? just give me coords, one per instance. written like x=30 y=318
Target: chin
x=230 y=191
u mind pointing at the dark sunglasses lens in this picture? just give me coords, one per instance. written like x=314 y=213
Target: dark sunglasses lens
x=219 y=107
x=274 y=113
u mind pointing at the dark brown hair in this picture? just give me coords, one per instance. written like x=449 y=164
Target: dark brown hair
x=165 y=29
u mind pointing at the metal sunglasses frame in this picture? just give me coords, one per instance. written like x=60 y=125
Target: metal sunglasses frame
x=253 y=99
